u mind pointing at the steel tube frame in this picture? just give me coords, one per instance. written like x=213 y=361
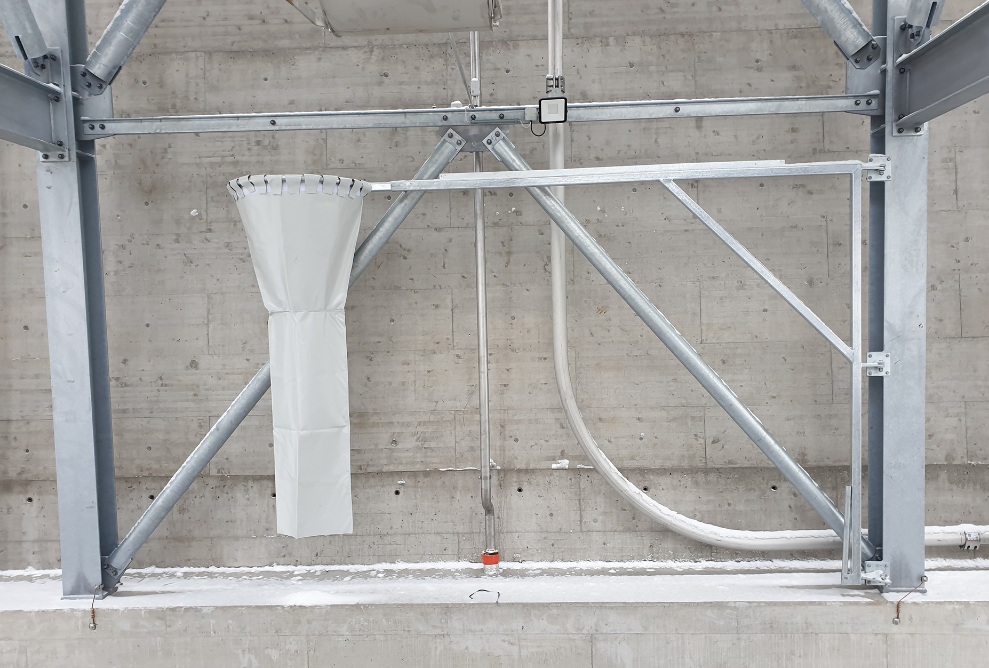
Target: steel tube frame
x=598 y=175
x=118 y=561
x=759 y=268
x=22 y=28
x=503 y=149
x=589 y=112
x=844 y=27
x=120 y=38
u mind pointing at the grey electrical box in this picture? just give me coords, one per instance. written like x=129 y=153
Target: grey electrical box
x=395 y=17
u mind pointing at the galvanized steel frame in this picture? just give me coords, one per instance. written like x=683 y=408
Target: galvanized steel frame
x=76 y=313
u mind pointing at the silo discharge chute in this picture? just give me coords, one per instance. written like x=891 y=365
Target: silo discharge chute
x=302 y=232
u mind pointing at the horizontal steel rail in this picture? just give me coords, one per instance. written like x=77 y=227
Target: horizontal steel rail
x=634 y=174
x=96 y=128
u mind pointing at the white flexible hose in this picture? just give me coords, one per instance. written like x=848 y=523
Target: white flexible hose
x=762 y=541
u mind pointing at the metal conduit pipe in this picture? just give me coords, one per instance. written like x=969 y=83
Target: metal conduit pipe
x=121 y=557
x=490 y=556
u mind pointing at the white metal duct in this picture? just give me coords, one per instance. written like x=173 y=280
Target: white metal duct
x=395 y=17
x=302 y=231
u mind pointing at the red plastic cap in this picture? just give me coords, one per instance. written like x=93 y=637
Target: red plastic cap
x=490 y=559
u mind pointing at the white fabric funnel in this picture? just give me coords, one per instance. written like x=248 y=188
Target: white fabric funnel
x=302 y=231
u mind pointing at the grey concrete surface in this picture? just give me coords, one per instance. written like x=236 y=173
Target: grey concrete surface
x=187 y=327
x=535 y=616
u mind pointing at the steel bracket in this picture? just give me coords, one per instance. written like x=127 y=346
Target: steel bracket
x=973 y=539
x=61 y=112
x=473 y=137
x=869 y=80
x=876 y=573
x=879 y=168
x=904 y=40
x=877 y=364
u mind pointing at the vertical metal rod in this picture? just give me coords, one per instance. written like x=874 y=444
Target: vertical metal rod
x=877 y=244
x=503 y=149
x=853 y=518
x=196 y=463
x=490 y=556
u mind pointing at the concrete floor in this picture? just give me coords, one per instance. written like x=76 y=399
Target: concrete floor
x=547 y=615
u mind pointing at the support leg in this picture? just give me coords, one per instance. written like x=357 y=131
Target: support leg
x=70 y=232
x=905 y=336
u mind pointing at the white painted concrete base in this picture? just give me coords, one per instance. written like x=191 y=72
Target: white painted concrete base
x=546 y=615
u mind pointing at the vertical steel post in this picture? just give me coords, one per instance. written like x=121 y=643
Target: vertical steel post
x=74 y=296
x=877 y=235
x=904 y=332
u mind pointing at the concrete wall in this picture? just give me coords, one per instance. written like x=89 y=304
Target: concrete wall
x=187 y=327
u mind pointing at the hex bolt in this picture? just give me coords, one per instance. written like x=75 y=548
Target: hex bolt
x=56 y=98
x=273 y=122
x=44 y=156
x=868 y=103
x=917 y=129
x=102 y=126
x=61 y=156
x=900 y=117
x=473 y=117
x=874 y=46
x=99 y=85
x=869 y=58
x=858 y=103
x=89 y=84
x=501 y=116
x=84 y=74
x=445 y=117
x=899 y=130
x=676 y=110
x=858 y=60
x=903 y=26
x=497 y=133
x=52 y=58
x=60 y=143
x=459 y=142
x=92 y=127
x=903 y=70
x=489 y=142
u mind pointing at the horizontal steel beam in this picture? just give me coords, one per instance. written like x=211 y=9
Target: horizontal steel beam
x=95 y=128
x=633 y=174
x=946 y=72
x=25 y=110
